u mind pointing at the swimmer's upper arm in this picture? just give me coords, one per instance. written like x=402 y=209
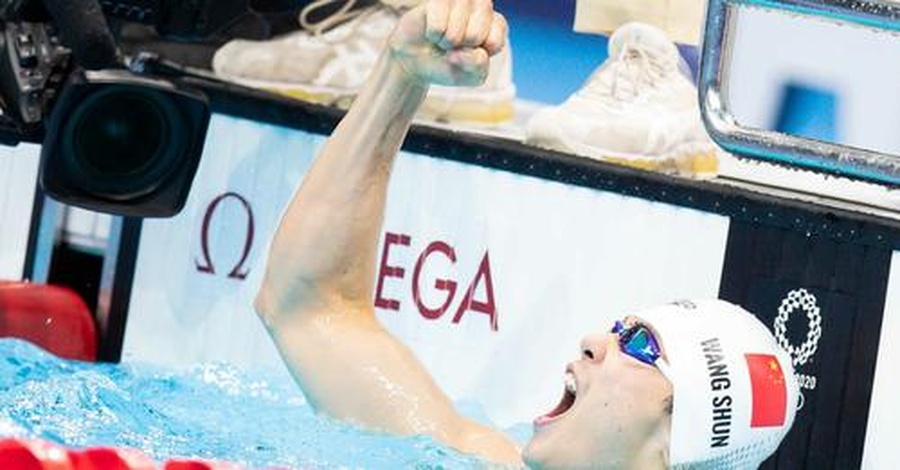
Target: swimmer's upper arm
x=350 y=367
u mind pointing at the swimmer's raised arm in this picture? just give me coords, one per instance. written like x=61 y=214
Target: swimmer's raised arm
x=316 y=297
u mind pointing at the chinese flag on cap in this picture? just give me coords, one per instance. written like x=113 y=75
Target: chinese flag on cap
x=769 y=390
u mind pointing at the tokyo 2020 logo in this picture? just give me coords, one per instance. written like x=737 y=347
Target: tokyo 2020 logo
x=803 y=300
x=806 y=302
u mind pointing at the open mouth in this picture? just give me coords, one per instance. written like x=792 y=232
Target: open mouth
x=565 y=404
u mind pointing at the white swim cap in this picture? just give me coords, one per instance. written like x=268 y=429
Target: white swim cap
x=735 y=394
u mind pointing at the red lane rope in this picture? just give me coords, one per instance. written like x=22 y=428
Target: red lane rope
x=34 y=454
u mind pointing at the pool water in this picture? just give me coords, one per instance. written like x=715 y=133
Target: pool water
x=256 y=418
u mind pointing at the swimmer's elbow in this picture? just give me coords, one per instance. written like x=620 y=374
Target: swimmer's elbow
x=272 y=302
x=263 y=305
x=281 y=288
x=298 y=298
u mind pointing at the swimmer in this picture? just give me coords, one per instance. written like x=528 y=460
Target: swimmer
x=666 y=388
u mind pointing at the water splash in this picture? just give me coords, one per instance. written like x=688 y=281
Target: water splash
x=219 y=412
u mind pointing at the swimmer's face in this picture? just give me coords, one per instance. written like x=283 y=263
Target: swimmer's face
x=620 y=411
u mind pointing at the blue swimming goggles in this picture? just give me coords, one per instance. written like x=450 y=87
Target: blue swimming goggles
x=638 y=342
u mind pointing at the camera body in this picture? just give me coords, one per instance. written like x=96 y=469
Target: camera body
x=33 y=67
x=113 y=139
x=35 y=62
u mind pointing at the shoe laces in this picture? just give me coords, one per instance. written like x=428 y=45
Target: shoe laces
x=340 y=16
x=626 y=77
x=343 y=14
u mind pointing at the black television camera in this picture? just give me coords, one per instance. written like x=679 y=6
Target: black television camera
x=114 y=138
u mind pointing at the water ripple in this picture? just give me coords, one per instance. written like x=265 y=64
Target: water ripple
x=211 y=411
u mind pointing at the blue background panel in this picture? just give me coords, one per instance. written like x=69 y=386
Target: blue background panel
x=550 y=61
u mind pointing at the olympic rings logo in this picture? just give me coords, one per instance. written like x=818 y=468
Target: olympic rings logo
x=802 y=299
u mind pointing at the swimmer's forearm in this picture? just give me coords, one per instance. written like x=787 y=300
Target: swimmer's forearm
x=325 y=247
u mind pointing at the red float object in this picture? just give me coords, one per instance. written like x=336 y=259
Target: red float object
x=33 y=454
x=54 y=318
x=200 y=465
x=27 y=454
x=103 y=458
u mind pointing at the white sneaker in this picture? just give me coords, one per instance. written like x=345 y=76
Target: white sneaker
x=329 y=61
x=638 y=108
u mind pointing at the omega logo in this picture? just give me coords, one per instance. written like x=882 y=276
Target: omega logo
x=205 y=265
x=448 y=288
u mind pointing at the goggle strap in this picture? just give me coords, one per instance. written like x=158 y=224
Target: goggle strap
x=664 y=367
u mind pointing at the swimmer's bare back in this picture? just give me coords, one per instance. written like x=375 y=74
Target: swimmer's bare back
x=316 y=297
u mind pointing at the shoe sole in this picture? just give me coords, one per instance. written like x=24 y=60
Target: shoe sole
x=697 y=165
x=692 y=160
x=443 y=104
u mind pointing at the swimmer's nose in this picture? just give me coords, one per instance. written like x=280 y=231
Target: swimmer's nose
x=594 y=347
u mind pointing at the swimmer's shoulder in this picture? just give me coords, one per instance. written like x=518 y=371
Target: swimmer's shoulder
x=491 y=444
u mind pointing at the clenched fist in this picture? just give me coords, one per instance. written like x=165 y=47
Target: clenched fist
x=448 y=42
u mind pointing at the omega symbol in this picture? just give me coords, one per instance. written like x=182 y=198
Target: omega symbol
x=239 y=271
